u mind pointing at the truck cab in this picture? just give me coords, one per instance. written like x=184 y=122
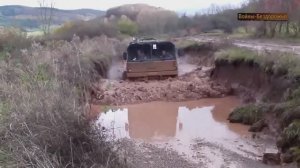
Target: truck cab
x=148 y=58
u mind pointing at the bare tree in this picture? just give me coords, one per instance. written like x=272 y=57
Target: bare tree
x=46 y=15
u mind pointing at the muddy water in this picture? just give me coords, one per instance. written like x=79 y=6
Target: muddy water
x=116 y=69
x=185 y=120
x=184 y=66
x=182 y=126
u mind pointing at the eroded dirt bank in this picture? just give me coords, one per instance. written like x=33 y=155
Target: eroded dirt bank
x=271 y=99
x=252 y=83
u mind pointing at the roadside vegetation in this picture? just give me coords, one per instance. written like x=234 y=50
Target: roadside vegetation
x=281 y=65
x=273 y=63
x=44 y=92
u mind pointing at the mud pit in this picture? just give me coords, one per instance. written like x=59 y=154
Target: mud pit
x=162 y=125
x=192 y=134
x=194 y=83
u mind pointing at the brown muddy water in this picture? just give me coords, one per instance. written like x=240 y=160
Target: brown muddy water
x=116 y=69
x=182 y=126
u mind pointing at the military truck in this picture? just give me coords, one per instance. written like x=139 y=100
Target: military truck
x=150 y=58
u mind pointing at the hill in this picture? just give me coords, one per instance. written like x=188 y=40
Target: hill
x=29 y=17
x=132 y=10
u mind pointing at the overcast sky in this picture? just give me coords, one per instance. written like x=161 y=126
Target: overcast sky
x=178 y=5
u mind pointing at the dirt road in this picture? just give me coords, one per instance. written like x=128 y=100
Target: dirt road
x=257 y=45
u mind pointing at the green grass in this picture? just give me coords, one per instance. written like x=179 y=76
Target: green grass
x=276 y=63
x=185 y=43
x=296 y=153
x=248 y=114
x=295 y=95
x=292 y=132
x=236 y=55
x=3 y=159
x=290 y=138
x=241 y=32
x=4 y=110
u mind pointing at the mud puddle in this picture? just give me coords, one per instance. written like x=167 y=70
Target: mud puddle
x=116 y=69
x=197 y=130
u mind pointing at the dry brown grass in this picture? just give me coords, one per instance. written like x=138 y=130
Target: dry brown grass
x=43 y=92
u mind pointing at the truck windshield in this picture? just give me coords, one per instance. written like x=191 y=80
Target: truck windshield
x=151 y=52
x=163 y=51
x=139 y=52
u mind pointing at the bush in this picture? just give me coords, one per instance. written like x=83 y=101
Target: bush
x=290 y=136
x=83 y=29
x=236 y=54
x=127 y=27
x=11 y=39
x=248 y=114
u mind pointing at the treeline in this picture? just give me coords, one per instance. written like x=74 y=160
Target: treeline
x=144 y=20
x=225 y=19
x=271 y=28
x=120 y=22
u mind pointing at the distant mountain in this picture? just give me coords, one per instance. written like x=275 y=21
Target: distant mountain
x=29 y=17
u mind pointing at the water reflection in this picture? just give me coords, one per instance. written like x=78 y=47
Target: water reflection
x=178 y=125
x=162 y=121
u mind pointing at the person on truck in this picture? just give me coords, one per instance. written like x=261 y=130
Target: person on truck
x=166 y=55
x=141 y=55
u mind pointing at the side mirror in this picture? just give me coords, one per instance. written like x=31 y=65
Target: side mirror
x=125 y=55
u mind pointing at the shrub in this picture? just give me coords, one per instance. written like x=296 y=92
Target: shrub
x=127 y=27
x=248 y=114
x=292 y=132
x=236 y=54
x=83 y=29
x=290 y=136
x=11 y=38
